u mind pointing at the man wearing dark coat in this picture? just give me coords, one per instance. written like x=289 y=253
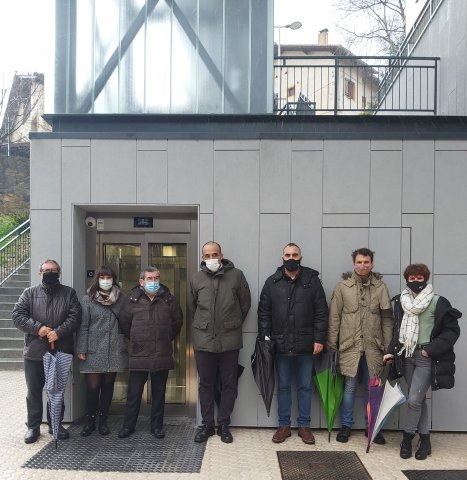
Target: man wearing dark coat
x=293 y=313
x=48 y=314
x=151 y=318
x=220 y=300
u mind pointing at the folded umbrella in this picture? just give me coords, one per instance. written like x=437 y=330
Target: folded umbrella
x=330 y=385
x=383 y=397
x=262 y=364
x=56 y=369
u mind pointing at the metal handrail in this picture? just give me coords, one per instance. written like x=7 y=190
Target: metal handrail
x=15 y=250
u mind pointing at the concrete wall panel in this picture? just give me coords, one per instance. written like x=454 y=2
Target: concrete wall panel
x=421 y=235
x=151 y=176
x=386 y=243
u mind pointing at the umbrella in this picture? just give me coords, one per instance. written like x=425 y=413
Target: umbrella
x=383 y=397
x=262 y=364
x=330 y=385
x=56 y=369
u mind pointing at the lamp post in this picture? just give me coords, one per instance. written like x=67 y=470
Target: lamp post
x=292 y=26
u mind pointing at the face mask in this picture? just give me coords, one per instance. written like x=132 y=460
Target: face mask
x=213 y=264
x=291 y=264
x=50 y=278
x=105 y=284
x=151 y=287
x=416 y=287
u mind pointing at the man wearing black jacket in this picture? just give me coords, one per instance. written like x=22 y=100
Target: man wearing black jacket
x=293 y=313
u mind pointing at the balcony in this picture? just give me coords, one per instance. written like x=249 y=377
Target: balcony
x=350 y=85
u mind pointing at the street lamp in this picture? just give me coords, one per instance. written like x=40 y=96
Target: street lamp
x=292 y=26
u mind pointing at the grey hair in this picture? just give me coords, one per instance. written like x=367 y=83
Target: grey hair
x=49 y=260
x=147 y=270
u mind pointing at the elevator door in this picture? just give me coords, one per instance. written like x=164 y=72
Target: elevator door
x=127 y=255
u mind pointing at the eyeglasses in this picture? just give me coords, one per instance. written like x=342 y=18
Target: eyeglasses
x=50 y=270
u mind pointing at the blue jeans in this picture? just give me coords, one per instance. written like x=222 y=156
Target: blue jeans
x=288 y=366
x=350 y=388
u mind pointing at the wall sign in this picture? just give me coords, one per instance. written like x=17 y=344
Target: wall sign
x=143 y=222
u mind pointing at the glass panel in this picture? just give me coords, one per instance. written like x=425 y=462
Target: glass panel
x=171 y=260
x=125 y=261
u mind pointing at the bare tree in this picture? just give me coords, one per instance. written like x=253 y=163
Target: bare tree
x=370 y=23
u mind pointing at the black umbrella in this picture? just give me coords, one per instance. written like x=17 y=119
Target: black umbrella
x=56 y=369
x=262 y=363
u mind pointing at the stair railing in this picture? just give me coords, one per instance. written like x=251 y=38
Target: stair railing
x=15 y=250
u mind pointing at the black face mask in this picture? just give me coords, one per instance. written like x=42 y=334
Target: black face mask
x=50 y=278
x=416 y=287
x=291 y=265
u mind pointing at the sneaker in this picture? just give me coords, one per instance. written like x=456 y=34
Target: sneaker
x=344 y=434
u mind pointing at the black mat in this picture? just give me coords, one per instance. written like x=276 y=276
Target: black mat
x=321 y=466
x=435 y=474
x=141 y=452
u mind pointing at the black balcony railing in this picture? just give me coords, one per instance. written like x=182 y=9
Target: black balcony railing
x=350 y=85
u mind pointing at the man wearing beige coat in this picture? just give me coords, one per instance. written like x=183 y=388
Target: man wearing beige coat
x=360 y=327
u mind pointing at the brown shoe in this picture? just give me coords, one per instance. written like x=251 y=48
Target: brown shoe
x=306 y=435
x=282 y=433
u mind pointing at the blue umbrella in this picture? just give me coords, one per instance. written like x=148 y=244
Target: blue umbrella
x=56 y=369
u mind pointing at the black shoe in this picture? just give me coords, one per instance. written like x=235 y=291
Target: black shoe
x=63 y=433
x=89 y=426
x=424 y=448
x=379 y=439
x=125 y=432
x=103 y=428
x=224 y=432
x=204 y=433
x=32 y=435
x=406 y=445
x=344 y=434
x=158 y=432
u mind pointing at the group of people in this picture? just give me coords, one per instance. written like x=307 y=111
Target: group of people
x=415 y=336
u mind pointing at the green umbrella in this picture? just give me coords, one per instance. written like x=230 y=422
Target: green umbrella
x=330 y=385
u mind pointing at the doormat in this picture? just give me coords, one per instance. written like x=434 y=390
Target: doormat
x=435 y=474
x=321 y=466
x=140 y=452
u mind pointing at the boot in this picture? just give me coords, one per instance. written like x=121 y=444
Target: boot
x=103 y=427
x=406 y=445
x=424 y=448
x=89 y=426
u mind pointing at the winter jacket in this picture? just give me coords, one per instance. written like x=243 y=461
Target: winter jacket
x=444 y=335
x=100 y=337
x=219 y=303
x=360 y=321
x=293 y=313
x=57 y=307
x=151 y=326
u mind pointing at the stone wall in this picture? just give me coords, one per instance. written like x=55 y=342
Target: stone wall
x=14 y=184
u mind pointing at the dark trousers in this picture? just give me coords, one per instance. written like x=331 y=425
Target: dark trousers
x=136 y=383
x=208 y=364
x=35 y=379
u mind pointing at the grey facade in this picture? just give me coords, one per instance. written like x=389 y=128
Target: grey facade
x=253 y=184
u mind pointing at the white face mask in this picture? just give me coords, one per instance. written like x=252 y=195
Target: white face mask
x=213 y=264
x=105 y=284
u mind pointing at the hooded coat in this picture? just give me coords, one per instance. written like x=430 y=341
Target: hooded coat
x=444 y=335
x=360 y=321
x=294 y=314
x=151 y=326
x=219 y=303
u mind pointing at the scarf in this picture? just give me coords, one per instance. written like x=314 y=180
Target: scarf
x=413 y=307
x=107 y=298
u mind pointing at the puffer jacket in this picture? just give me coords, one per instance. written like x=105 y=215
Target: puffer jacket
x=100 y=338
x=219 y=303
x=57 y=307
x=346 y=316
x=444 y=335
x=294 y=314
x=151 y=326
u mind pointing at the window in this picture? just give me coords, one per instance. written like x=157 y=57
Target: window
x=349 y=89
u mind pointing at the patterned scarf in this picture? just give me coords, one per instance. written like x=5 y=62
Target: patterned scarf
x=107 y=298
x=412 y=307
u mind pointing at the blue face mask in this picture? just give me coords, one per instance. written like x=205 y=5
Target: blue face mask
x=151 y=287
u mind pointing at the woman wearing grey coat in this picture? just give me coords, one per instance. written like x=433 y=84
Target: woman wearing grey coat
x=101 y=347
